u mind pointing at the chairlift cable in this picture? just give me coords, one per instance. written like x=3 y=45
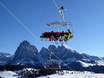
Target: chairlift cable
x=17 y=19
x=54 y=2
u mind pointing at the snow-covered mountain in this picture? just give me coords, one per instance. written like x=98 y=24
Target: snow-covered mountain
x=66 y=56
x=27 y=54
x=4 y=58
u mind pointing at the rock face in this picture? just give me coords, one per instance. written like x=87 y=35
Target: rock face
x=60 y=53
x=25 y=54
x=66 y=56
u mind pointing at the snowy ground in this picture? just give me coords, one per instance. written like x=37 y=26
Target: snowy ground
x=8 y=74
x=74 y=74
x=65 y=74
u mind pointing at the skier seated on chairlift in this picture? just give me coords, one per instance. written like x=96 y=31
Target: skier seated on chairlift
x=66 y=36
x=57 y=36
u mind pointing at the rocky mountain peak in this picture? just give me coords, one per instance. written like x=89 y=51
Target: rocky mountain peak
x=51 y=47
x=24 y=43
x=25 y=53
x=28 y=54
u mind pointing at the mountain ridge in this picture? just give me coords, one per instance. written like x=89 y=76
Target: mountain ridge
x=28 y=54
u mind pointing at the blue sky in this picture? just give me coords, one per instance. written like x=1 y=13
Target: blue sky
x=87 y=17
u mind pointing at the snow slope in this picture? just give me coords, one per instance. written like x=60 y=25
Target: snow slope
x=74 y=74
x=65 y=74
x=8 y=74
